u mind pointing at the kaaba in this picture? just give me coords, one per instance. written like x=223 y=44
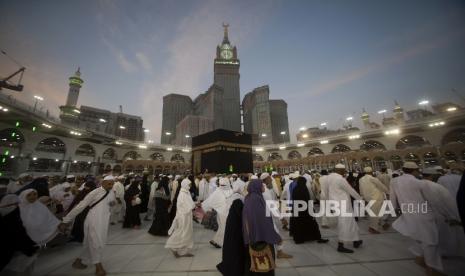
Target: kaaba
x=222 y=151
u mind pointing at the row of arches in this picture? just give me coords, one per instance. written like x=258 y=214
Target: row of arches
x=13 y=138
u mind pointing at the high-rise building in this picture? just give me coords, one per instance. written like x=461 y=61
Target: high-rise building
x=279 y=121
x=226 y=75
x=265 y=119
x=220 y=106
x=175 y=108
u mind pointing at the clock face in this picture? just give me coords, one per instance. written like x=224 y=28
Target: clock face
x=226 y=54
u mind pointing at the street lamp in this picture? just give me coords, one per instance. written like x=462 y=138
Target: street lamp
x=102 y=120
x=38 y=98
x=121 y=130
x=324 y=124
x=302 y=128
x=263 y=134
x=349 y=118
x=146 y=130
x=168 y=133
x=424 y=102
x=382 y=112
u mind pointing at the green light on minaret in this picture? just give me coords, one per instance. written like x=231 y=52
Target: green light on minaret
x=76 y=79
x=17 y=124
x=7 y=152
x=34 y=129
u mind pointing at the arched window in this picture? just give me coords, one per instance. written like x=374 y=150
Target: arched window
x=315 y=151
x=45 y=165
x=396 y=162
x=411 y=141
x=257 y=157
x=274 y=156
x=411 y=157
x=85 y=150
x=454 y=136
x=109 y=154
x=51 y=144
x=131 y=155
x=294 y=155
x=157 y=156
x=11 y=137
x=340 y=148
x=430 y=159
x=177 y=158
x=372 y=145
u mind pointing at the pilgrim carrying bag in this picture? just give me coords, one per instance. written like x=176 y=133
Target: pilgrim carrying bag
x=261 y=257
x=78 y=227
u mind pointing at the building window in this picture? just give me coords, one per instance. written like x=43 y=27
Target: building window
x=411 y=141
x=51 y=144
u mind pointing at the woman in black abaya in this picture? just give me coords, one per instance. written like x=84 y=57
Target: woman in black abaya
x=304 y=226
x=161 y=220
x=131 y=197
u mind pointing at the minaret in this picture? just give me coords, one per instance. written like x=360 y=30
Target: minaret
x=365 y=119
x=69 y=113
x=75 y=84
x=398 y=113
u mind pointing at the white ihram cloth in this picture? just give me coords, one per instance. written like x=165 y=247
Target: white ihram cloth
x=40 y=224
x=309 y=184
x=212 y=185
x=451 y=238
x=269 y=195
x=95 y=224
x=218 y=201
x=324 y=192
x=451 y=182
x=117 y=210
x=238 y=186
x=204 y=187
x=181 y=232
x=371 y=188
x=420 y=226
x=65 y=198
x=340 y=190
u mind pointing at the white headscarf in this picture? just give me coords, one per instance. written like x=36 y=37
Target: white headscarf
x=40 y=224
x=224 y=184
x=185 y=184
x=8 y=204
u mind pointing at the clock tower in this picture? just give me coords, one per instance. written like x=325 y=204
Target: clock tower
x=226 y=75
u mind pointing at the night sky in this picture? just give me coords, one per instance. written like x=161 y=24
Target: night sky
x=326 y=59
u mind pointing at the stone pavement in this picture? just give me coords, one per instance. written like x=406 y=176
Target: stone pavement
x=135 y=252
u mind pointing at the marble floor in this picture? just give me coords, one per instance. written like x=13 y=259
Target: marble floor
x=135 y=252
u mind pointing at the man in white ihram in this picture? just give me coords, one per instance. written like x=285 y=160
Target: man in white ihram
x=371 y=188
x=339 y=190
x=420 y=225
x=96 y=223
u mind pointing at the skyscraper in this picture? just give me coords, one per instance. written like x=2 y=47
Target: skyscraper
x=226 y=75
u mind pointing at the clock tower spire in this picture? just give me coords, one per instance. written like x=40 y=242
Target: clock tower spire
x=226 y=75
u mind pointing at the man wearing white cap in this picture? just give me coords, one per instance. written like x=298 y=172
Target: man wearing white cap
x=118 y=210
x=451 y=237
x=96 y=223
x=218 y=201
x=371 y=188
x=451 y=180
x=181 y=232
x=420 y=225
x=340 y=191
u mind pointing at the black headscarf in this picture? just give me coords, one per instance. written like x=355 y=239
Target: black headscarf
x=164 y=184
x=461 y=201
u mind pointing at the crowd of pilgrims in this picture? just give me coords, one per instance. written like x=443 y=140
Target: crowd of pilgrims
x=43 y=212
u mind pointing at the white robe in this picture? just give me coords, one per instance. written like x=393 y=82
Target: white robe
x=151 y=204
x=95 y=224
x=203 y=190
x=218 y=201
x=340 y=190
x=181 y=231
x=385 y=179
x=117 y=210
x=451 y=182
x=371 y=188
x=451 y=238
x=239 y=186
x=419 y=225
